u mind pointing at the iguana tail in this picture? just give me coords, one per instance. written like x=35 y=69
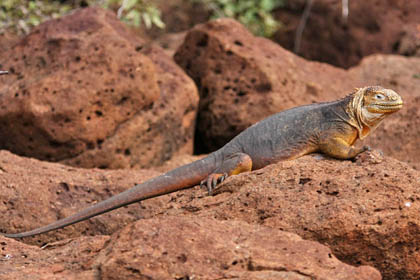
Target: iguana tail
x=180 y=178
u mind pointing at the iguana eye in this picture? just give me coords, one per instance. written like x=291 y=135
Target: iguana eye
x=379 y=96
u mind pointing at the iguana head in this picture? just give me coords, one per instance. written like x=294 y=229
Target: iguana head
x=370 y=105
x=379 y=100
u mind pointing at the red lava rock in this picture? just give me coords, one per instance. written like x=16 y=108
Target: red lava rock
x=7 y=40
x=371 y=27
x=366 y=211
x=156 y=134
x=410 y=42
x=200 y=248
x=85 y=91
x=179 y=248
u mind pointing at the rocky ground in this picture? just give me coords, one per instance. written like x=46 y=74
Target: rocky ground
x=85 y=95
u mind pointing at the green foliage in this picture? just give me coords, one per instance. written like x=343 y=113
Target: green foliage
x=254 y=14
x=136 y=12
x=22 y=15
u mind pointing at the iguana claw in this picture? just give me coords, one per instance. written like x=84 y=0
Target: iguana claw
x=212 y=180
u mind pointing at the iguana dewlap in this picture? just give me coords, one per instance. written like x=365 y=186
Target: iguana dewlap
x=331 y=128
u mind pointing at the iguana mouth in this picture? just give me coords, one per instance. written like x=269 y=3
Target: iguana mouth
x=393 y=106
x=386 y=107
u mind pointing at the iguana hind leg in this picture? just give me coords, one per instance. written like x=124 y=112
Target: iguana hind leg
x=232 y=165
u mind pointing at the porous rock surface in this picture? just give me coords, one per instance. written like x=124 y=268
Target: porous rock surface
x=366 y=211
x=85 y=91
x=171 y=239
x=200 y=248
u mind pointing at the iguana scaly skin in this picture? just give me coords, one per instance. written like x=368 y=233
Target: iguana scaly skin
x=331 y=128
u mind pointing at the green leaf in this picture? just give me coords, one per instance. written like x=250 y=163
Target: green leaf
x=157 y=21
x=267 y=5
x=32 y=5
x=129 y=4
x=229 y=9
x=133 y=18
x=33 y=20
x=8 y=4
x=147 y=20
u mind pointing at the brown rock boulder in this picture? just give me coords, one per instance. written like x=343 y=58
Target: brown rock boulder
x=366 y=211
x=243 y=78
x=410 y=42
x=198 y=248
x=179 y=248
x=85 y=91
x=155 y=134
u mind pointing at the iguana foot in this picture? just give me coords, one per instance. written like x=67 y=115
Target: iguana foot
x=231 y=165
x=212 y=180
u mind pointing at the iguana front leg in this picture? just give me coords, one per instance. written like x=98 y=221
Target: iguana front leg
x=232 y=165
x=337 y=147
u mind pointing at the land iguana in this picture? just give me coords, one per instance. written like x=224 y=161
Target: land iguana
x=331 y=128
